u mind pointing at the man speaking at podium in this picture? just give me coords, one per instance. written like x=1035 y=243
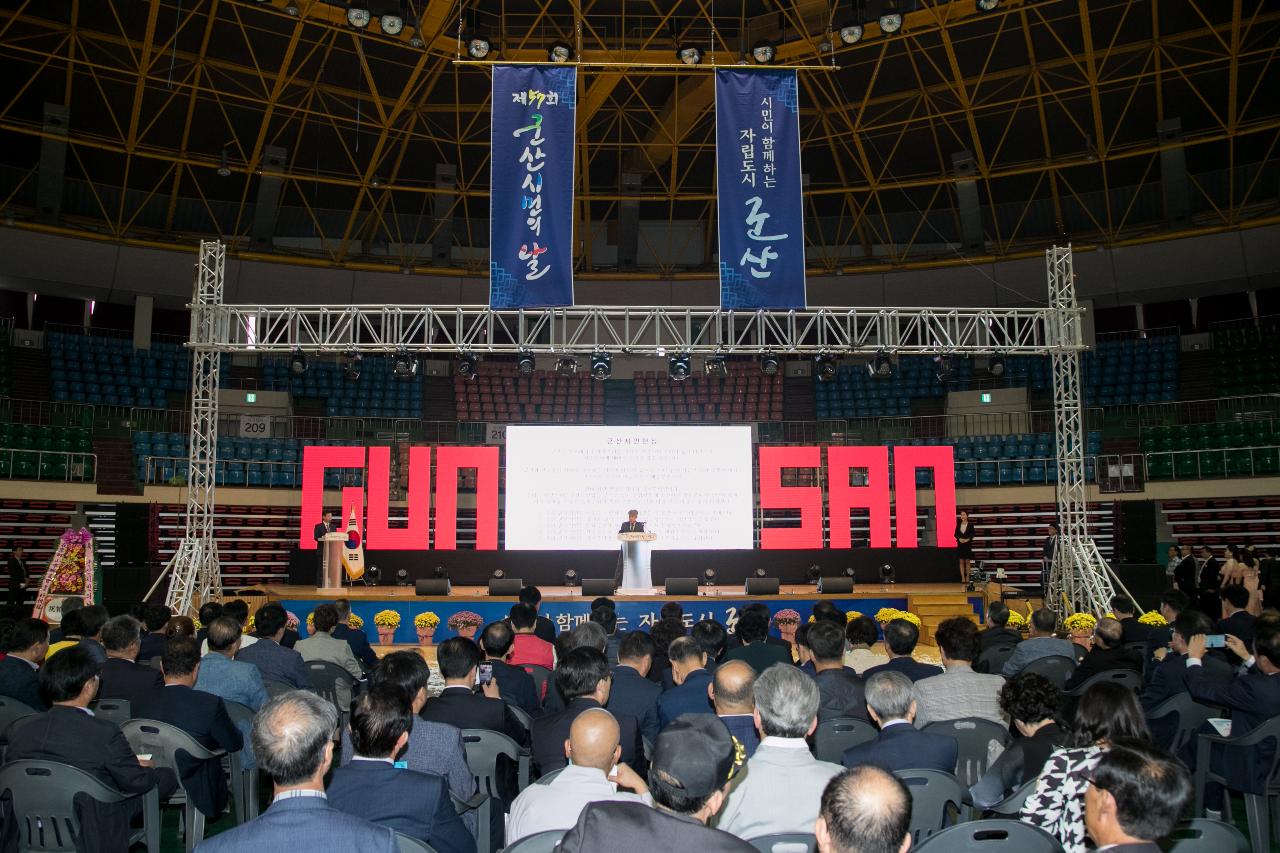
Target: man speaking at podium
x=321 y=530
x=631 y=526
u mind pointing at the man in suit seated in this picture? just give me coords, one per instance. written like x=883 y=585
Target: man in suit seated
x=527 y=648
x=1172 y=603
x=712 y=636
x=1108 y=653
x=689 y=672
x=238 y=610
x=459 y=704
x=353 y=637
x=840 y=688
x=272 y=659
x=1126 y=613
x=753 y=629
x=864 y=803
x=607 y=619
x=201 y=715
x=694 y=760
x=733 y=699
x=583 y=679
x=781 y=790
x=293 y=740
x=410 y=802
x=1236 y=621
x=959 y=692
x=1169 y=678
x=154 y=618
x=900 y=746
x=631 y=692
x=997 y=632
x=322 y=645
x=543 y=628
x=900 y=639
x=1041 y=644
x=92 y=620
x=69 y=734
x=121 y=677
x=515 y=686
x=222 y=675
x=24 y=651
x=1136 y=798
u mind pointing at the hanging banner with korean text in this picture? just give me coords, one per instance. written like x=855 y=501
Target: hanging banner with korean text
x=758 y=181
x=531 y=186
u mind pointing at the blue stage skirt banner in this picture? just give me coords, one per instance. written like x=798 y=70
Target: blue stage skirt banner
x=462 y=617
x=531 y=186
x=760 y=212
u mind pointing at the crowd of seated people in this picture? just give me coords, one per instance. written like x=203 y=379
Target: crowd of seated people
x=695 y=738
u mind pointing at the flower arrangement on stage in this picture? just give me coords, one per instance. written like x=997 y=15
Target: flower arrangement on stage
x=387 y=619
x=249 y=626
x=69 y=573
x=1153 y=618
x=465 y=619
x=291 y=620
x=354 y=621
x=311 y=622
x=1080 y=623
x=1016 y=620
x=788 y=617
x=910 y=617
x=887 y=614
x=426 y=620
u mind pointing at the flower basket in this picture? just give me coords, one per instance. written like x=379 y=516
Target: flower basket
x=1080 y=626
x=426 y=623
x=465 y=623
x=386 y=622
x=788 y=621
x=1153 y=618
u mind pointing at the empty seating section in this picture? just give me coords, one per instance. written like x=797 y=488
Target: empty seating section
x=500 y=393
x=1224 y=521
x=378 y=393
x=1126 y=372
x=1002 y=460
x=855 y=393
x=745 y=395
x=110 y=372
x=39 y=452
x=1011 y=537
x=161 y=457
x=6 y=387
x=1246 y=358
x=1225 y=449
x=254 y=542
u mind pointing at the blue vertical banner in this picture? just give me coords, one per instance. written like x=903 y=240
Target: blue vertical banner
x=760 y=208
x=531 y=186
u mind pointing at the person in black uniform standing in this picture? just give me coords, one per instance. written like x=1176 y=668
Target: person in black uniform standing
x=964 y=544
x=322 y=529
x=17 y=576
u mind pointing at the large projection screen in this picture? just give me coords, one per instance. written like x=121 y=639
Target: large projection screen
x=570 y=487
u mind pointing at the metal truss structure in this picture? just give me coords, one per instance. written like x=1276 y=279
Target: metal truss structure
x=1052 y=107
x=195 y=576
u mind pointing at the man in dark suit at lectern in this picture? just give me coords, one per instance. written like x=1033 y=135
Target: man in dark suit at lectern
x=321 y=530
x=631 y=525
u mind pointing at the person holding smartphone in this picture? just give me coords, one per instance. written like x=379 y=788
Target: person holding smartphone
x=465 y=702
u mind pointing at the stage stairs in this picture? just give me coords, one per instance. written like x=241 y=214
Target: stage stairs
x=935 y=608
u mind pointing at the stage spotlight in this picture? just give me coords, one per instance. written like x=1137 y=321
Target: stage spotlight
x=890 y=19
x=224 y=165
x=499 y=574
x=478 y=47
x=358 y=14
x=567 y=366
x=825 y=366
x=416 y=41
x=560 y=52
x=402 y=577
x=769 y=364
x=351 y=369
x=851 y=34
x=601 y=366
x=760 y=573
x=678 y=367
x=880 y=366
x=716 y=365
x=763 y=52
x=392 y=23
x=987 y=5
x=405 y=366
x=570 y=578
x=996 y=366
x=814 y=574
x=943 y=369
x=297 y=363
x=689 y=55
x=466 y=367
x=887 y=573
x=291 y=9
x=526 y=363
x=848 y=571
x=709 y=577
x=371 y=575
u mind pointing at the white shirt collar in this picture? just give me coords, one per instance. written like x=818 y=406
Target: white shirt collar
x=895 y=721
x=785 y=742
x=298 y=793
x=29 y=663
x=390 y=761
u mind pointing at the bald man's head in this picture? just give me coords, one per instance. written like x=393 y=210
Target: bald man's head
x=864 y=810
x=732 y=688
x=593 y=740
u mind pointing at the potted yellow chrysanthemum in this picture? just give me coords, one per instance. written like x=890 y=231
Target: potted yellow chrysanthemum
x=386 y=622
x=426 y=624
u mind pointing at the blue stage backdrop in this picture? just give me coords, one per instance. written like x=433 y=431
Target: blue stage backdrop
x=531 y=186
x=567 y=614
x=761 y=214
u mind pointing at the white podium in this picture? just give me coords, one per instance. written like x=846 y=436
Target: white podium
x=331 y=560
x=635 y=560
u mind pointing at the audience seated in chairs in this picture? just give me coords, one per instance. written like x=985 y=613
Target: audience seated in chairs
x=122 y=678
x=238 y=610
x=369 y=786
x=353 y=637
x=1107 y=713
x=591 y=634
x=583 y=679
x=1172 y=603
x=24 y=647
x=68 y=734
x=607 y=618
x=515 y=686
x=594 y=773
x=631 y=692
x=1136 y=794
x=527 y=648
x=272 y=659
x=712 y=636
x=693 y=762
x=1169 y=677
x=543 y=628
x=997 y=632
x=732 y=699
x=862 y=636
x=209 y=611
x=1126 y=613
x=1107 y=653
x=1032 y=702
x=293 y=740
x=199 y=714
x=959 y=691
x=179 y=626
x=900 y=639
x=783 y=783
x=322 y=645
x=1042 y=643
x=92 y=620
x=222 y=675
x=67 y=634
x=840 y=688
x=154 y=618
x=1236 y=620
x=664 y=633
x=864 y=810
x=753 y=632
x=900 y=746
x=690 y=694
x=459 y=704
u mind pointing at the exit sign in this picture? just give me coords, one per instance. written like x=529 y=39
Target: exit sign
x=251 y=397
x=986 y=397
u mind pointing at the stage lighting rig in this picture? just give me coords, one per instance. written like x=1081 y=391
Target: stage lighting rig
x=760 y=573
x=391 y=21
x=291 y=9
x=995 y=366
x=466 y=367
x=351 y=369
x=405 y=366
x=769 y=364
x=560 y=52
x=567 y=366
x=478 y=47
x=679 y=367
x=297 y=363
x=890 y=18
x=716 y=365
x=224 y=165
x=943 y=369
x=813 y=574
x=709 y=577
x=987 y=5
x=764 y=52
x=601 y=366
x=825 y=366
x=526 y=363
x=570 y=577
x=371 y=575
x=887 y=574
x=689 y=55
x=880 y=366
x=851 y=33
x=402 y=577
x=358 y=14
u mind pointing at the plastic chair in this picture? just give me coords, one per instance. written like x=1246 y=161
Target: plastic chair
x=542 y=680
x=991 y=836
x=1201 y=835
x=835 y=735
x=166 y=744
x=787 y=842
x=11 y=710
x=936 y=799
x=974 y=737
x=276 y=686
x=1126 y=677
x=539 y=842
x=993 y=659
x=118 y=711
x=325 y=678
x=1191 y=716
x=406 y=844
x=1011 y=806
x=549 y=777
x=42 y=800
x=521 y=715
x=483 y=748
x=1056 y=668
x=1256 y=803
x=244 y=781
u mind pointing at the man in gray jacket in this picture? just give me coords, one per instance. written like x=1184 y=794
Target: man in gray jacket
x=1041 y=644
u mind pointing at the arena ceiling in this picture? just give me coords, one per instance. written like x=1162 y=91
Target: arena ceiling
x=173 y=107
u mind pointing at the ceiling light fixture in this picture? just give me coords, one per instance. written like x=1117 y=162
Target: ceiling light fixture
x=825 y=366
x=467 y=366
x=567 y=366
x=764 y=52
x=392 y=23
x=987 y=5
x=689 y=55
x=224 y=165
x=358 y=14
x=478 y=47
x=679 y=367
x=560 y=52
x=526 y=363
x=291 y=9
x=880 y=366
x=769 y=364
x=851 y=33
x=405 y=366
x=601 y=366
x=716 y=365
x=890 y=18
x=297 y=363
